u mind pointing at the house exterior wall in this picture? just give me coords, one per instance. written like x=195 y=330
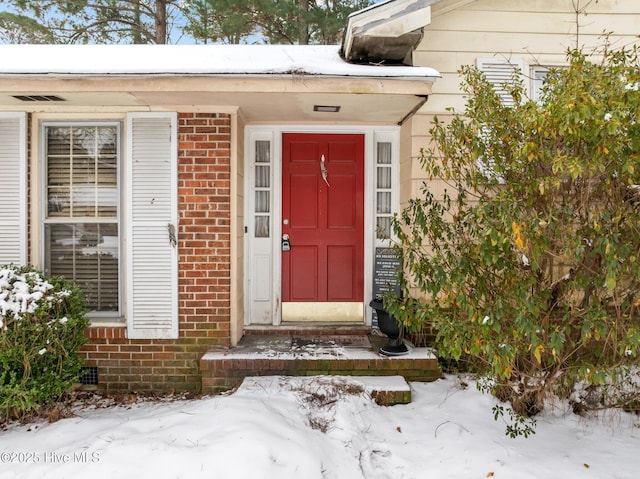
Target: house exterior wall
x=538 y=32
x=204 y=285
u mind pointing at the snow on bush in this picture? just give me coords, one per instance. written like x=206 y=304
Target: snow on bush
x=41 y=329
x=20 y=293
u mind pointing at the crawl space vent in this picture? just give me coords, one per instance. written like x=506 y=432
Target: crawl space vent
x=38 y=98
x=89 y=376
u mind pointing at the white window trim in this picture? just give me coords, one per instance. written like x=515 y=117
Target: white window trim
x=389 y=136
x=100 y=318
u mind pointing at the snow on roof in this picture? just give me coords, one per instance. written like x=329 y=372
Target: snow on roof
x=192 y=60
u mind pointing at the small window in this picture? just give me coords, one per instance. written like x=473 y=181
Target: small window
x=81 y=214
x=262 y=189
x=384 y=207
x=538 y=75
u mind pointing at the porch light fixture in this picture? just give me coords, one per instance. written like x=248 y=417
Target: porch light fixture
x=326 y=108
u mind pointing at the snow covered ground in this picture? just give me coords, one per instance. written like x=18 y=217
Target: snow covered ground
x=307 y=428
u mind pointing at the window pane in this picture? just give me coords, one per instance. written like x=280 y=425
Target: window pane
x=88 y=254
x=263 y=151
x=262 y=201
x=58 y=202
x=82 y=172
x=539 y=75
x=384 y=153
x=262 y=176
x=384 y=202
x=59 y=141
x=384 y=177
x=262 y=227
x=383 y=227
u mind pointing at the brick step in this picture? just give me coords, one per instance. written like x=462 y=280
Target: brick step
x=306 y=355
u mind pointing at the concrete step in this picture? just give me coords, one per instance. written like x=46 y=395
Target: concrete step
x=312 y=355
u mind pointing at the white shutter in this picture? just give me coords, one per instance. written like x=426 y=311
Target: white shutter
x=152 y=226
x=13 y=188
x=500 y=72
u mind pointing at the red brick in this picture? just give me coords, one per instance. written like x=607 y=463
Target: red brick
x=204 y=276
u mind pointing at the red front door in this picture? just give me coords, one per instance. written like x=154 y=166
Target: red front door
x=323 y=216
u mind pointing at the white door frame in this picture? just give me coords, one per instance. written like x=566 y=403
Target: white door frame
x=262 y=286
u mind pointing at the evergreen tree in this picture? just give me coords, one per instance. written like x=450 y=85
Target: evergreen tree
x=16 y=28
x=152 y=21
x=270 y=21
x=87 y=21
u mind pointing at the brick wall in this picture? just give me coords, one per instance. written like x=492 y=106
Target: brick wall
x=204 y=179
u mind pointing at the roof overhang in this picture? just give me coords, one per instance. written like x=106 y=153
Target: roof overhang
x=386 y=32
x=268 y=83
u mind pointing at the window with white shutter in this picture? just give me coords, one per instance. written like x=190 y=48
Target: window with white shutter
x=152 y=226
x=13 y=188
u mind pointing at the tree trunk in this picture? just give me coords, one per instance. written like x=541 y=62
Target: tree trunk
x=161 y=21
x=137 y=28
x=303 y=35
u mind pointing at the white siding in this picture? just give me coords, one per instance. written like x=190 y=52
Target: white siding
x=152 y=252
x=529 y=33
x=13 y=181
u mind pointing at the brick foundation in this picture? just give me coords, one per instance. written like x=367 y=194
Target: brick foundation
x=204 y=190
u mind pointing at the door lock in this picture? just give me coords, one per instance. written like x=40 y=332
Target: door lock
x=286 y=244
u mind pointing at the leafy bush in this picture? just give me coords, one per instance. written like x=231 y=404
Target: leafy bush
x=527 y=258
x=41 y=329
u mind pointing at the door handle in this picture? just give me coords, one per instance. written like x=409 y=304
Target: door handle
x=323 y=171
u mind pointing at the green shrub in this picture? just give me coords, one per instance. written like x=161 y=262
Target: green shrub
x=527 y=256
x=41 y=329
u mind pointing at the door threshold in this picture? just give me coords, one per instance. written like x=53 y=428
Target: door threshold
x=321 y=328
x=323 y=312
